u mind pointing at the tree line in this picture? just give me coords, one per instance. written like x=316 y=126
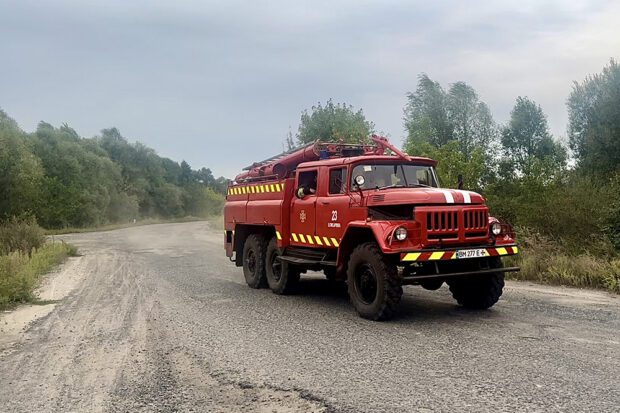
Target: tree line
x=568 y=192
x=64 y=180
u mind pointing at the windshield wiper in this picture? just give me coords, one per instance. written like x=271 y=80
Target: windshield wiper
x=391 y=186
x=420 y=186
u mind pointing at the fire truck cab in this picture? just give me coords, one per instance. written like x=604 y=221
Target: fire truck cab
x=368 y=215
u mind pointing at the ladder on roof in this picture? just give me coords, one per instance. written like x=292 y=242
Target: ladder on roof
x=277 y=157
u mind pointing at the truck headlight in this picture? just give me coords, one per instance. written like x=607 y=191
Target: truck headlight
x=496 y=228
x=400 y=233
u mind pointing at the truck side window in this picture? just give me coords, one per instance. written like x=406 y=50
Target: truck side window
x=337 y=179
x=307 y=181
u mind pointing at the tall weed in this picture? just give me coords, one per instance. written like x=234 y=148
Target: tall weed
x=20 y=272
x=546 y=261
x=18 y=234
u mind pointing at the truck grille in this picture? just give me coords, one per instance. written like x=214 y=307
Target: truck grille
x=475 y=220
x=442 y=221
x=454 y=222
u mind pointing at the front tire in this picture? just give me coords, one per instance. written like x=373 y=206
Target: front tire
x=254 y=261
x=431 y=285
x=374 y=286
x=479 y=292
x=282 y=277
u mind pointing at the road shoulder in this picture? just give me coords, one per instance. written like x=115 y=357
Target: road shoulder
x=55 y=286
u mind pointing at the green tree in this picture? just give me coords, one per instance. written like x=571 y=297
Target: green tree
x=143 y=173
x=172 y=171
x=438 y=117
x=186 y=176
x=205 y=177
x=168 y=200
x=201 y=201
x=220 y=185
x=79 y=181
x=65 y=180
x=21 y=174
x=594 y=121
x=426 y=114
x=451 y=163
x=334 y=122
x=472 y=124
x=527 y=137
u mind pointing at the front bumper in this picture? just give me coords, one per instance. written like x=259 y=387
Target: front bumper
x=451 y=254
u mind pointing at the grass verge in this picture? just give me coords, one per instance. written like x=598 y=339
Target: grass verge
x=547 y=262
x=20 y=273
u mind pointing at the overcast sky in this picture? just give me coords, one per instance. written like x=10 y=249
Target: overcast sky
x=219 y=83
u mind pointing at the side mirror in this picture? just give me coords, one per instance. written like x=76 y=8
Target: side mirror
x=359 y=180
x=300 y=192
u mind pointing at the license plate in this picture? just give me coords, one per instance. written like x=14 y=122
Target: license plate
x=476 y=253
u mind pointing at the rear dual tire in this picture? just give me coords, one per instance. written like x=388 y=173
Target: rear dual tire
x=254 y=251
x=282 y=277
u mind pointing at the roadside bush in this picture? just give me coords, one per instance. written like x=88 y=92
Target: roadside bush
x=546 y=261
x=20 y=273
x=21 y=235
x=572 y=210
x=203 y=202
x=612 y=218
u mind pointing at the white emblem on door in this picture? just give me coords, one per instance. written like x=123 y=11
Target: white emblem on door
x=334 y=215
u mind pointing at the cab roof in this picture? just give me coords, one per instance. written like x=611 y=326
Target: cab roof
x=419 y=160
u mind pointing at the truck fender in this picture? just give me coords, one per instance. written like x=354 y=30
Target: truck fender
x=356 y=233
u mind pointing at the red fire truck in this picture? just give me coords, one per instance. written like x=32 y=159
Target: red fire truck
x=369 y=215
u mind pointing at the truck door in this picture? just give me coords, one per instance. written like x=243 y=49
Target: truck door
x=332 y=205
x=303 y=215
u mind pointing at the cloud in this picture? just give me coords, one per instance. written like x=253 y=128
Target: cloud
x=219 y=83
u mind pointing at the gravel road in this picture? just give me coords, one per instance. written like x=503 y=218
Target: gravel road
x=156 y=318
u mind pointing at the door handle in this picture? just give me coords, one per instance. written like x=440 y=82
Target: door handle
x=325 y=202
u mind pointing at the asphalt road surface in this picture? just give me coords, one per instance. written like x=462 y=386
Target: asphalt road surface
x=156 y=318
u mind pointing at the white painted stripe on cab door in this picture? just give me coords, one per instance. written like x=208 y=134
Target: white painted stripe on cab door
x=466 y=196
x=448 y=196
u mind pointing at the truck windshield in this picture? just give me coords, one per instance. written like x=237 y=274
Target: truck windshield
x=378 y=176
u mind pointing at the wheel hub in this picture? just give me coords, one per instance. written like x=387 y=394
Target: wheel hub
x=276 y=267
x=366 y=281
x=252 y=261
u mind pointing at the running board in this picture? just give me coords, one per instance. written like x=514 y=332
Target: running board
x=415 y=278
x=304 y=261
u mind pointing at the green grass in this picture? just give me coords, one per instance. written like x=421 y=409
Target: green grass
x=20 y=274
x=545 y=261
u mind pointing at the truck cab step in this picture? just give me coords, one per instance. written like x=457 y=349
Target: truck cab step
x=306 y=261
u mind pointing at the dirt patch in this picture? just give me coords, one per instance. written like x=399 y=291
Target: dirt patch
x=54 y=287
x=99 y=345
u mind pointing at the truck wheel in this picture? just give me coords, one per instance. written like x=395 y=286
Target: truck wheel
x=282 y=277
x=254 y=261
x=431 y=284
x=374 y=287
x=479 y=292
